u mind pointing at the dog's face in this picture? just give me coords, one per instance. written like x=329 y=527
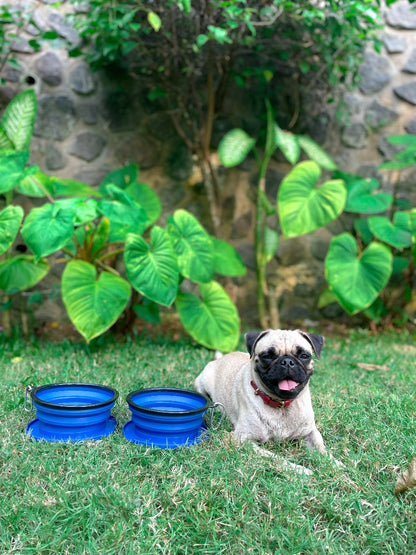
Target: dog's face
x=283 y=360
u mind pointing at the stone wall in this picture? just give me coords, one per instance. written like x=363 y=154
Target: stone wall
x=89 y=124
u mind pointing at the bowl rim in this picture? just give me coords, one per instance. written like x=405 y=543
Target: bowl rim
x=48 y=404
x=160 y=412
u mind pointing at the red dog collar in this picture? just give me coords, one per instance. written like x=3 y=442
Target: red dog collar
x=268 y=400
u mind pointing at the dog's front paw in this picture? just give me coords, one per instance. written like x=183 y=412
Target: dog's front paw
x=299 y=469
x=241 y=437
x=283 y=465
x=338 y=463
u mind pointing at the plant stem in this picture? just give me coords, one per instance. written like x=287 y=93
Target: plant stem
x=394 y=183
x=261 y=287
x=107 y=268
x=208 y=172
x=5 y=316
x=111 y=254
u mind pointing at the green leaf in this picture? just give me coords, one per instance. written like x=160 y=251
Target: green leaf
x=316 y=153
x=348 y=178
x=185 y=5
x=397 y=233
x=271 y=244
x=34 y=298
x=12 y=169
x=152 y=270
x=33 y=185
x=148 y=311
x=357 y=279
x=154 y=21
x=400 y=263
x=227 y=260
x=143 y=195
x=50 y=35
x=19 y=117
x=10 y=220
x=211 y=319
x=20 y=273
x=288 y=144
x=58 y=187
x=126 y=179
x=304 y=67
x=326 y=297
x=362 y=228
x=93 y=305
x=47 y=229
x=5 y=142
x=85 y=210
x=192 y=245
x=122 y=178
x=201 y=40
x=219 y=34
x=302 y=206
x=361 y=197
x=125 y=215
x=409 y=140
x=234 y=147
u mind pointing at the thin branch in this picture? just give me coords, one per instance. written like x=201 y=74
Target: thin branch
x=111 y=254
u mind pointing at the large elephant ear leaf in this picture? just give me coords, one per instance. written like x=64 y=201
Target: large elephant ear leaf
x=316 y=153
x=193 y=247
x=122 y=178
x=227 y=260
x=19 y=117
x=304 y=207
x=48 y=228
x=126 y=178
x=10 y=220
x=93 y=305
x=210 y=319
x=32 y=184
x=20 y=273
x=59 y=187
x=363 y=198
x=12 y=169
x=288 y=144
x=152 y=269
x=147 y=199
x=125 y=215
x=398 y=233
x=234 y=147
x=357 y=278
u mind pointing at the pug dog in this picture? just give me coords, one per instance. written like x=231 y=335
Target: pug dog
x=265 y=393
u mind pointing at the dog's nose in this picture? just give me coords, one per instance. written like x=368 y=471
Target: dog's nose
x=287 y=361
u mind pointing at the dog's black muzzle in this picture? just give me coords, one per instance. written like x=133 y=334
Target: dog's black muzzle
x=285 y=376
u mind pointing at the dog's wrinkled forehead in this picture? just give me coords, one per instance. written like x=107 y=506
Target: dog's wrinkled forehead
x=283 y=341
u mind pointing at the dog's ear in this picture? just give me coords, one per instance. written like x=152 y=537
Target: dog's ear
x=317 y=342
x=251 y=338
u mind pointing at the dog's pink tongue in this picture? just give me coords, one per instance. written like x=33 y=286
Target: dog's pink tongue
x=287 y=385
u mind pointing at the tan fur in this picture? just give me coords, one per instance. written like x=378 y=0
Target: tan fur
x=227 y=381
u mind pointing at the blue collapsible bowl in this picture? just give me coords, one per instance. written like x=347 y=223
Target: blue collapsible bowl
x=72 y=412
x=166 y=417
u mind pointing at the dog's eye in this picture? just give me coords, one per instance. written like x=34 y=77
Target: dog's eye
x=266 y=359
x=304 y=356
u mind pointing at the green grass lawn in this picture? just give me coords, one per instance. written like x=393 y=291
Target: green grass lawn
x=111 y=496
